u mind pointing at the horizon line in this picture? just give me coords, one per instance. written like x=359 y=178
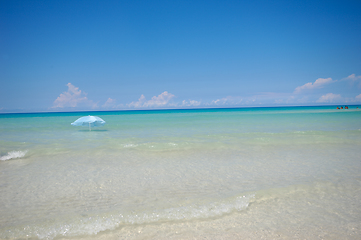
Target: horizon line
x=166 y=109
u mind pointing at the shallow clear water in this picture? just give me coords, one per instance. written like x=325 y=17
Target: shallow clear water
x=251 y=173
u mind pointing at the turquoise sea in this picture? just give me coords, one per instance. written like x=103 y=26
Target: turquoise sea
x=245 y=173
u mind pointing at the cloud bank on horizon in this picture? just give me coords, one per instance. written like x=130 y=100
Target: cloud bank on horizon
x=311 y=93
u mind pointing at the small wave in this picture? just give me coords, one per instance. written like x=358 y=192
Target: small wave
x=91 y=225
x=13 y=155
x=191 y=212
x=130 y=145
x=303 y=132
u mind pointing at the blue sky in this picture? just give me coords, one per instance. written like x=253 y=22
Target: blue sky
x=108 y=55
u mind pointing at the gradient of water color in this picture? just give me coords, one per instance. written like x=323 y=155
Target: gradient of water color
x=292 y=172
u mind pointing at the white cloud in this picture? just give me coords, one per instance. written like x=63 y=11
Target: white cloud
x=190 y=103
x=110 y=103
x=354 y=79
x=157 y=101
x=319 y=83
x=219 y=101
x=226 y=101
x=139 y=103
x=358 y=97
x=161 y=100
x=329 y=97
x=73 y=98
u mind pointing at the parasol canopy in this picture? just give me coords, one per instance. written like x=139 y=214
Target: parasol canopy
x=89 y=121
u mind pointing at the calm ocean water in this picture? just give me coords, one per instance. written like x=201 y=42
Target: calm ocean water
x=292 y=172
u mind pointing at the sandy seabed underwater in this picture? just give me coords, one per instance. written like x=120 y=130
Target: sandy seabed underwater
x=250 y=173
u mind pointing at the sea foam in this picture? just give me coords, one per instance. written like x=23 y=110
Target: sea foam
x=13 y=155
